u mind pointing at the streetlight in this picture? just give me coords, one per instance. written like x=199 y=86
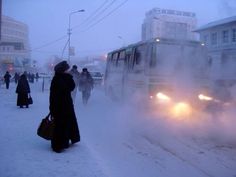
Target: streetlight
x=69 y=31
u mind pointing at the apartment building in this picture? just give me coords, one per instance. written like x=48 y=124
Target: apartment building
x=166 y=23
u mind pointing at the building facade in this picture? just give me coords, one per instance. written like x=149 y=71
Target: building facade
x=165 y=23
x=220 y=40
x=14 y=45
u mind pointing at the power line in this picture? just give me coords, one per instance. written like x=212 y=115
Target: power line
x=94 y=17
x=111 y=12
x=92 y=14
x=50 y=43
x=86 y=29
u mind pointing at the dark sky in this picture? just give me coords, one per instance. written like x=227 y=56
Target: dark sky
x=48 y=21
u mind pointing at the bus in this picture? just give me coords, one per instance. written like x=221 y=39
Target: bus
x=158 y=66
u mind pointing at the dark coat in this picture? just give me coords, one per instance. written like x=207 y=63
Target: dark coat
x=7 y=77
x=85 y=81
x=22 y=89
x=62 y=111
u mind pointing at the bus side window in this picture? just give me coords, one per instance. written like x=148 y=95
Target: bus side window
x=130 y=60
x=127 y=59
x=114 y=59
x=120 y=60
x=139 y=58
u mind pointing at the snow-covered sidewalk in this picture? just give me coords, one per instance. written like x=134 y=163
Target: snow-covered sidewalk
x=116 y=141
x=24 y=154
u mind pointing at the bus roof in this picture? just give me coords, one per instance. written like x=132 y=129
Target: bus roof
x=159 y=40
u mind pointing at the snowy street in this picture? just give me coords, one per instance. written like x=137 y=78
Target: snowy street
x=116 y=141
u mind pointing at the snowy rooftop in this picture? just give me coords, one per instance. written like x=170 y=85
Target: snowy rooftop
x=217 y=23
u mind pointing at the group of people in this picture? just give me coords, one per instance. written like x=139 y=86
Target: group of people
x=84 y=83
x=63 y=90
x=30 y=76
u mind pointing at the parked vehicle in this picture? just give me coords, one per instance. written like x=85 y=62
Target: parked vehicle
x=97 y=77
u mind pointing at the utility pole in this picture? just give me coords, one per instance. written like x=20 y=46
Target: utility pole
x=69 y=32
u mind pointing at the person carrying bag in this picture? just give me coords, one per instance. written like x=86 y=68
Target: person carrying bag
x=46 y=128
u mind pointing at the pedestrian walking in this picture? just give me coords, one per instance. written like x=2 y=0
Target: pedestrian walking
x=22 y=90
x=85 y=85
x=37 y=77
x=16 y=77
x=62 y=109
x=75 y=73
x=7 y=77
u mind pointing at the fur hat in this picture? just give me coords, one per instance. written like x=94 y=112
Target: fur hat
x=74 y=67
x=85 y=70
x=61 y=67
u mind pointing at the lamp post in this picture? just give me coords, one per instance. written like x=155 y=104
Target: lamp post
x=69 y=31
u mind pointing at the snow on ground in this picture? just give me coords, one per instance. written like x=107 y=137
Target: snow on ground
x=116 y=141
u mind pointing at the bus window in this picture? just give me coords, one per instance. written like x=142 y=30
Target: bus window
x=114 y=59
x=139 y=58
x=130 y=59
x=127 y=60
x=121 y=60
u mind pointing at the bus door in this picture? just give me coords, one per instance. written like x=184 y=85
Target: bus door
x=135 y=74
x=115 y=74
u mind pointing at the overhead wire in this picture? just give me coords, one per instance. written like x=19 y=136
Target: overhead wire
x=91 y=18
x=92 y=14
x=56 y=40
x=105 y=16
x=50 y=43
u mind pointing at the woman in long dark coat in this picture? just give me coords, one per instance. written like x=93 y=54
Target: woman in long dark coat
x=62 y=109
x=22 y=90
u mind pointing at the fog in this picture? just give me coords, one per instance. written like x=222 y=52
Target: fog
x=130 y=134
x=118 y=139
x=189 y=76
x=104 y=26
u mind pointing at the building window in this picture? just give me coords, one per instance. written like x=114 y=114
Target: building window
x=233 y=35
x=213 y=38
x=225 y=36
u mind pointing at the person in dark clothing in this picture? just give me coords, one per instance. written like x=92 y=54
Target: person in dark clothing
x=75 y=73
x=37 y=77
x=62 y=109
x=16 y=77
x=85 y=85
x=7 y=77
x=22 y=90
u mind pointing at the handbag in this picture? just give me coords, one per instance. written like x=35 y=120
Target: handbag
x=46 y=128
x=30 y=99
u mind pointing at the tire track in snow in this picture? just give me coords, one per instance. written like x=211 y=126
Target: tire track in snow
x=169 y=151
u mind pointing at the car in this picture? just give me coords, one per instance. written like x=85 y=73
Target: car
x=44 y=75
x=97 y=77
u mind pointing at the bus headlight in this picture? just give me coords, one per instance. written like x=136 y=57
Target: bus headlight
x=162 y=97
x=204 y=98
